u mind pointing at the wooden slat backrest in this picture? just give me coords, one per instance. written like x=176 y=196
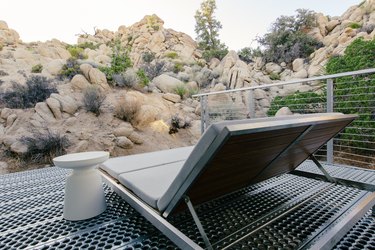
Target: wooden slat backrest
x=255 y=156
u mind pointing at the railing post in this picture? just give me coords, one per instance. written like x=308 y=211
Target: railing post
x=203 y=101
x=251 y=104
x=330 y=109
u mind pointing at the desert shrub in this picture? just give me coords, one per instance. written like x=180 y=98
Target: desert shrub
x=304 y=103
x=148 y=56
x=247 y=54
x=288 y=39
x=130 y=78
x=154 y=69
x=143 y=79
x=93 y=100
x=70 y=69
x=3 y=73
x=43 y=147
x=88 y=45
x=355 y=25
x=126 y=109
x=171 y=55
x=274 y=76
x=76 y=51
x=37 y=68
x=120 y=61
x=193 y=91
x=152 y=23
x=177 y=123
x=181 y=91
x=353 y=95
x=37 y=89
x=1 y=46
x=178 y=67
x=218 y=53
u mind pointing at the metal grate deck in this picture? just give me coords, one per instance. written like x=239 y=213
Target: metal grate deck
x=286 y=212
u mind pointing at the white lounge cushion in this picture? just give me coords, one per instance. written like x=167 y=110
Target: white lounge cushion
x=151 y=183
x=118 y=165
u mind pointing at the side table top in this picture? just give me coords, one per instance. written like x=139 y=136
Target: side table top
x=81 y=160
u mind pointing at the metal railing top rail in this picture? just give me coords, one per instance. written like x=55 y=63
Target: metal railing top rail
x=324 y=77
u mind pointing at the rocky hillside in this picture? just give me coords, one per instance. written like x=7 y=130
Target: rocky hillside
x=133 y=115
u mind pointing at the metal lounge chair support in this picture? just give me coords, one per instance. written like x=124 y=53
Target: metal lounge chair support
x=198 y=222
x=321 y=168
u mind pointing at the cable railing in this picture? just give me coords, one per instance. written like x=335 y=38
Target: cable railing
x=349 y=93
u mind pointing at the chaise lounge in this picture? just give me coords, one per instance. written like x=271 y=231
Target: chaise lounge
x=229 y=156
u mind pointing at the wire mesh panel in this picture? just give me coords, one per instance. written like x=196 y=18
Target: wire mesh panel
x=348 y=93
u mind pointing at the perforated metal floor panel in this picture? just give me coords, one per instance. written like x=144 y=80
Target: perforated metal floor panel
x=288 y=212
x=361 y=236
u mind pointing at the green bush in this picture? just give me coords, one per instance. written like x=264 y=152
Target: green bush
x=88 y=45
x=303 y=103
x=274 y=76
x=93 y=100
x=1 y=46
x=144 y=81
x=148 y=57
x=181 y=91
x=352 y=95
x=288 y=38
x=70 y=69
x=178 y=67
x=37 y=89
x=76 y=51
x=43 y=147
x=355 y=25
x=171 y=55
x=37 y=68
x=219 y=53
x=247 y=54
x=120 y=61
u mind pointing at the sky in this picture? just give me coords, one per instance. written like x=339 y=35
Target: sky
x=242 y=20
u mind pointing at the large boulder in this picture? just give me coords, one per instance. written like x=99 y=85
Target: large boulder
x=166 y=83
x=8 y=36
x=54 y=66
x=80 y=82
x=53 y=50
x=125 y=129
x=68 y=104
x=172 y=97
x=55 y=107
x=124 y=142
x=42 y=109
x=284 y=111
x=273 y=68
x=297 y=64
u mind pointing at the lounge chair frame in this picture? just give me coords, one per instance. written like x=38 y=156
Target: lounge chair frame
x=159 y=220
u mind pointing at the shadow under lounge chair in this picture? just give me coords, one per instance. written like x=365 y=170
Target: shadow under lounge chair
x=229 y=156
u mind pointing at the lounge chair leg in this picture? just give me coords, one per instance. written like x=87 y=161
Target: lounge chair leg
x=321 y=168
x=198 y=223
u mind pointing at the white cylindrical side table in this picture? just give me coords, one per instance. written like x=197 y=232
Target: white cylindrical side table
x=84 y=195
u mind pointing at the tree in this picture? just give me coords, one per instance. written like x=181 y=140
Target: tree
x=288 y=38
x=207 y=29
